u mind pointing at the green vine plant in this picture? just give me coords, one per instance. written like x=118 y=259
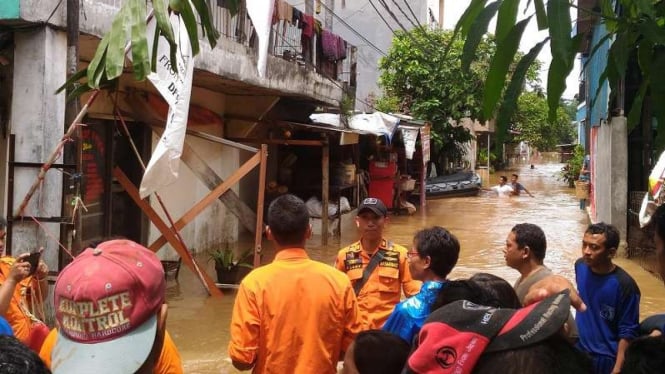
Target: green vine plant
x=129 y=26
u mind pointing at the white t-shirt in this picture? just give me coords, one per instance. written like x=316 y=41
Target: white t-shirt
x=503 y=191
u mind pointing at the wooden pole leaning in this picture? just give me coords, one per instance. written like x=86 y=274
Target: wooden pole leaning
x=177 y=244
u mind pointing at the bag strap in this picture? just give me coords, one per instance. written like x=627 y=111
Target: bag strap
x=373 y=263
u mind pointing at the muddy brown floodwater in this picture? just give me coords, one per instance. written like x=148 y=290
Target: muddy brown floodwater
x=200 y=324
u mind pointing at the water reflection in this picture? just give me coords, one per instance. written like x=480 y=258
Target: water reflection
x=200 y=325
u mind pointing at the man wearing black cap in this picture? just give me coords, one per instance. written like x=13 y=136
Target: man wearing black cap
x=377 y=267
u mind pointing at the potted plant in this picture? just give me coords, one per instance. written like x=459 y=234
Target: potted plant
x=231 y=267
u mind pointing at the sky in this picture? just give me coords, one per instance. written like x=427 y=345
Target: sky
x=453 y=10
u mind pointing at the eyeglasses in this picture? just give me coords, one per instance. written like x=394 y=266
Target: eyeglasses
x=412 y=253
x=370 y=201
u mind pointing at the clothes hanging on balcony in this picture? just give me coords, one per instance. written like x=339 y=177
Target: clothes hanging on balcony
x=297 y=17
x=307 y=26
x=284 y=10
x=333 y=46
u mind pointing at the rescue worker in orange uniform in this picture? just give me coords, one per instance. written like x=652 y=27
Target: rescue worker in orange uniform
x=20 y=292
x=377 y=267
x=294 y=315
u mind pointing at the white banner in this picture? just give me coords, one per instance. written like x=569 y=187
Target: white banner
x=176 y=88
x=260 y=11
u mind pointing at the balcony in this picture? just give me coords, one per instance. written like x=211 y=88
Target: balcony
x=230 y=67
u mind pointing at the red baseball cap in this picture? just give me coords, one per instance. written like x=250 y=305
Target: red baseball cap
x=106 y=304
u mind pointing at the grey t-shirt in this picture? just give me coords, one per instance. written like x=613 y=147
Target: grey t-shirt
x=522 y=288
x=522 y=285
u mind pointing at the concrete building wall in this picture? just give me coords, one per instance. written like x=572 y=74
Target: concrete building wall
x=228 y=59
x=364 y=19
x=37 y=120
x=595 y=67
x=611 y=170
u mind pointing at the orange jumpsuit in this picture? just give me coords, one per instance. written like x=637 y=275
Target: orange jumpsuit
x=381 y=292
x=18 y=314
x=293 y=316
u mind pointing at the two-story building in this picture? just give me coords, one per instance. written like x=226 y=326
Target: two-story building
x=229 y=100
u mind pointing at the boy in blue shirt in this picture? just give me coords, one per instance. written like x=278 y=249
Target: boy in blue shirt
x=612 y=298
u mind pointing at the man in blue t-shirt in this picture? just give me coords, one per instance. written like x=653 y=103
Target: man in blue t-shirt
x=517 y=186
x=612 y=298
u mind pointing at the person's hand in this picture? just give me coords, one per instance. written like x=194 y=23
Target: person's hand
x=42 y=271
x=552 y=285
x=20 y=269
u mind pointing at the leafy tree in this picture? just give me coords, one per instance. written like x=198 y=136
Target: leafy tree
x=532 y=122
x=635 y=26
x=419 y=79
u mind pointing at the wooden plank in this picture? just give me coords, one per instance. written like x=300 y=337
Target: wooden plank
x=325 y=184
x=245 y=215
x=209 y=198
x=179 y=247
x=312 y=143
x=258 y=236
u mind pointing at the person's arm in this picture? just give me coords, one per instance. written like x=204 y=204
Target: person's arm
x=351 y=320
x=628 y=313
x=410 y=286
x=6 y=292
x=39 y=281
x=621 y=351
x=527 y=191
x=17 y=272
x=551 y=285
x=245 y=326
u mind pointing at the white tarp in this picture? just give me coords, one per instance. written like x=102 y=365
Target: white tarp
x=410 y=135
x=330 y=119
x=176 y=88
x=377 y=123
x=260 y=11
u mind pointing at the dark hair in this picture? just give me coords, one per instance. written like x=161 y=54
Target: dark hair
x=503 y=178
x=551 y=356
x=658 y=220
x=611 y=233
x=645 y=356
x=441 y=246
x=3 y=223
x=528 y=234
x=378 y=351
x=502 y=291
x=16 y=358
x=288 y=220
x=463 y=289
x=515 y=175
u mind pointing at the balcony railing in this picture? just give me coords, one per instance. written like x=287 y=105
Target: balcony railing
x=285 y=41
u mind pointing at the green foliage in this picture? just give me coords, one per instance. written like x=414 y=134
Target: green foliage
x=636 y=26
x=571 y=171
x=482 y=157
x=227 y=259
x=423 y=72
x=532 y=121
x=387 y=104
x=129 y=25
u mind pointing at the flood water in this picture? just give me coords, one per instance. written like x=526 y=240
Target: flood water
x=200 y=324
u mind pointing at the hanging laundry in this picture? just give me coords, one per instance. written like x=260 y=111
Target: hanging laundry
x=285 y=12
x=328 y=46
x=297 y=17
x=341 y=48
x=307 y=25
